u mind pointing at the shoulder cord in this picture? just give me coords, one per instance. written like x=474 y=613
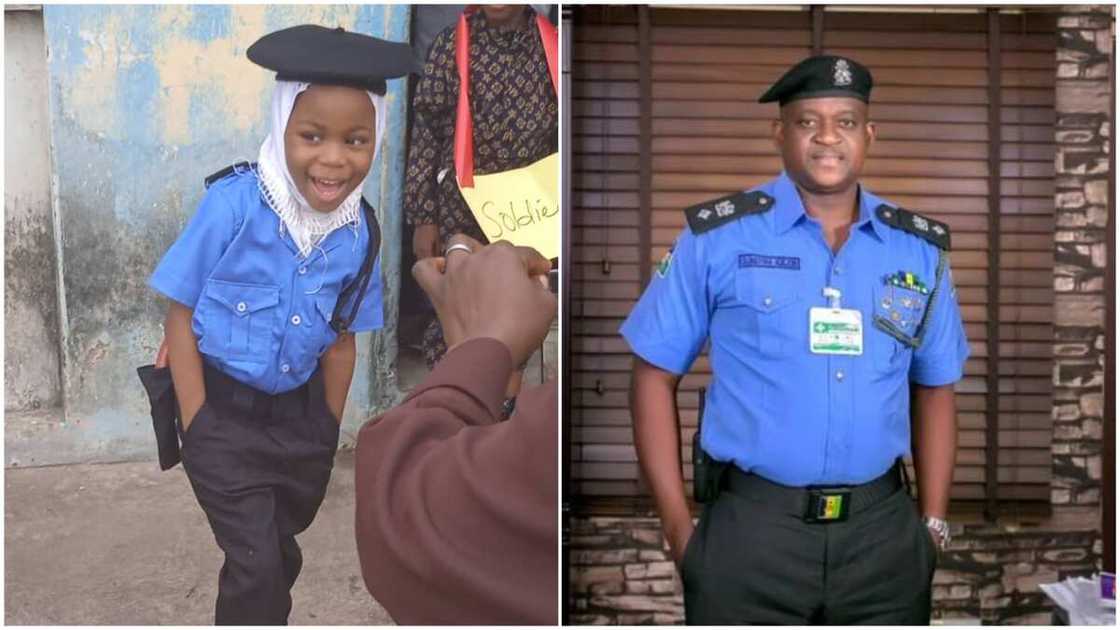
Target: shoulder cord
x=361 y=283
x=942 y=259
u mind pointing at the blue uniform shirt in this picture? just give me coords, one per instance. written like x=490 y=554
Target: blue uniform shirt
x=261 y=313
x=773 y=407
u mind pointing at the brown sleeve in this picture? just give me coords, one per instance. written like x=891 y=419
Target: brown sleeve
x=456 y=512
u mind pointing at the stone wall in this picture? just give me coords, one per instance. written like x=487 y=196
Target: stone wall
x=620 y=570
x=1083 y=134
x=621 y=573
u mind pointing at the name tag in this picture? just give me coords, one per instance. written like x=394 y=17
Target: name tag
x=835 y=331
x=790 y=263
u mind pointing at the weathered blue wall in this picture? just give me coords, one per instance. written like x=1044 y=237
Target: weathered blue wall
x=145 y=101
x=31 y=352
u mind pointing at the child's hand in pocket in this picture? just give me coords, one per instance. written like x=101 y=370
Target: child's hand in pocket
x=161 y=356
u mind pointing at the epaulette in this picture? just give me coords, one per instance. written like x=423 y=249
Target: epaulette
x=712 y=214
x=935 y=232
x=229 y=170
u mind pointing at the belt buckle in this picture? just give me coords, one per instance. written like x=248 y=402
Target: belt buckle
x=828 y=505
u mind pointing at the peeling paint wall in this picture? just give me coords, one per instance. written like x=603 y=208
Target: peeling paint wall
x=145 y=101
x=31 y=368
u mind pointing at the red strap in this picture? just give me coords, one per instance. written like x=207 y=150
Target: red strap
x=464 y=131
x=550 y=40
x=464 y=134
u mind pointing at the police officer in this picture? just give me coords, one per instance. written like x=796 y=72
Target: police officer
x=831 y=317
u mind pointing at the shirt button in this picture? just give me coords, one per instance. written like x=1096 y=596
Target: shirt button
x=302 y=270
x=836 y=271
x=839 y=375
x=285 y=368
x=241 y=307
x=767 y=301
x=296 y=320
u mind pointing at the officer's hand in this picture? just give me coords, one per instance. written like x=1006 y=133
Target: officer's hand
x=678 y=541
x=425 y=241
x=497 y=291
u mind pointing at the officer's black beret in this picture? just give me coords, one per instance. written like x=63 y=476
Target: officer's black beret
x=331 y=56
x=820 y=76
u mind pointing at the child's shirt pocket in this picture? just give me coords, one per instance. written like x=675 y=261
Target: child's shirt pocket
x=238 y=320
x=308 y=333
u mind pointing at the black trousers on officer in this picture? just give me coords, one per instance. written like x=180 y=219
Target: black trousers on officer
x=259 y=466
x=750 y=562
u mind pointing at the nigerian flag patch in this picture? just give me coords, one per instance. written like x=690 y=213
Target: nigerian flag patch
x=666 y=260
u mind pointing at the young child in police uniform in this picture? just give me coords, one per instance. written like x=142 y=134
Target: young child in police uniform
x=268 y=283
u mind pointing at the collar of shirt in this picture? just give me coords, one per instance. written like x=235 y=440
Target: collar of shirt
x=330 y=241
x=790 y=211
x=521 y=35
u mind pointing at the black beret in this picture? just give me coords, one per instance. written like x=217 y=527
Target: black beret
x=331 y=56
x=820 y=76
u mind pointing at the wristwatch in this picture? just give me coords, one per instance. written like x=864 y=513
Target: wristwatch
x=940 y=527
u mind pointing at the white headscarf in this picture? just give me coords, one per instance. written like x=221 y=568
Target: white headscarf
x=307 y=226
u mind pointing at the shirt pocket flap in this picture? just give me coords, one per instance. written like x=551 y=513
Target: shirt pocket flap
x=765 y=297
x=243 y=299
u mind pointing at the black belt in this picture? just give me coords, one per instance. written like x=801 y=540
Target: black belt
x=814 y=504
x=226 y=390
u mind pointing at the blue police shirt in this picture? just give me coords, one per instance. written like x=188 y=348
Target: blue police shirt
x=261 y=313
x=773 y=407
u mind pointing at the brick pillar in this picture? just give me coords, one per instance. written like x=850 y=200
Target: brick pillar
x=1083 y=137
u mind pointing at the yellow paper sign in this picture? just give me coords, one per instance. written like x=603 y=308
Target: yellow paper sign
x=520 y=206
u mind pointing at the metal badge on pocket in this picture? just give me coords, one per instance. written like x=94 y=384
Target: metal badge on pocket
x=900 y=306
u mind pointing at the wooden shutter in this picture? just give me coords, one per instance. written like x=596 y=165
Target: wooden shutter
x=931 y=100
x=931 y=104
x=605 y=259
x=1026 y=241
x=710 y=134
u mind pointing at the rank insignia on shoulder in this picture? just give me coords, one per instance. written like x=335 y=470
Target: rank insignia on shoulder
x=712 y=214
x=935 y=232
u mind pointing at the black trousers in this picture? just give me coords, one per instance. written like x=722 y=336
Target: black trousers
x=753 y=563
x=259 y=466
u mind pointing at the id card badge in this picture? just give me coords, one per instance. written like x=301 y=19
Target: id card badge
x=835 y=331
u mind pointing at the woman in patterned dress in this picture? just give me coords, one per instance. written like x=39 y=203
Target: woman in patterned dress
x=515 y=117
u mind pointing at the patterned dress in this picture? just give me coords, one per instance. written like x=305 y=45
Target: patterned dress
x=515 y=115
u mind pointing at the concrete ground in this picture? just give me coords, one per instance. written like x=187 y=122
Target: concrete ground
x=127 y=544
